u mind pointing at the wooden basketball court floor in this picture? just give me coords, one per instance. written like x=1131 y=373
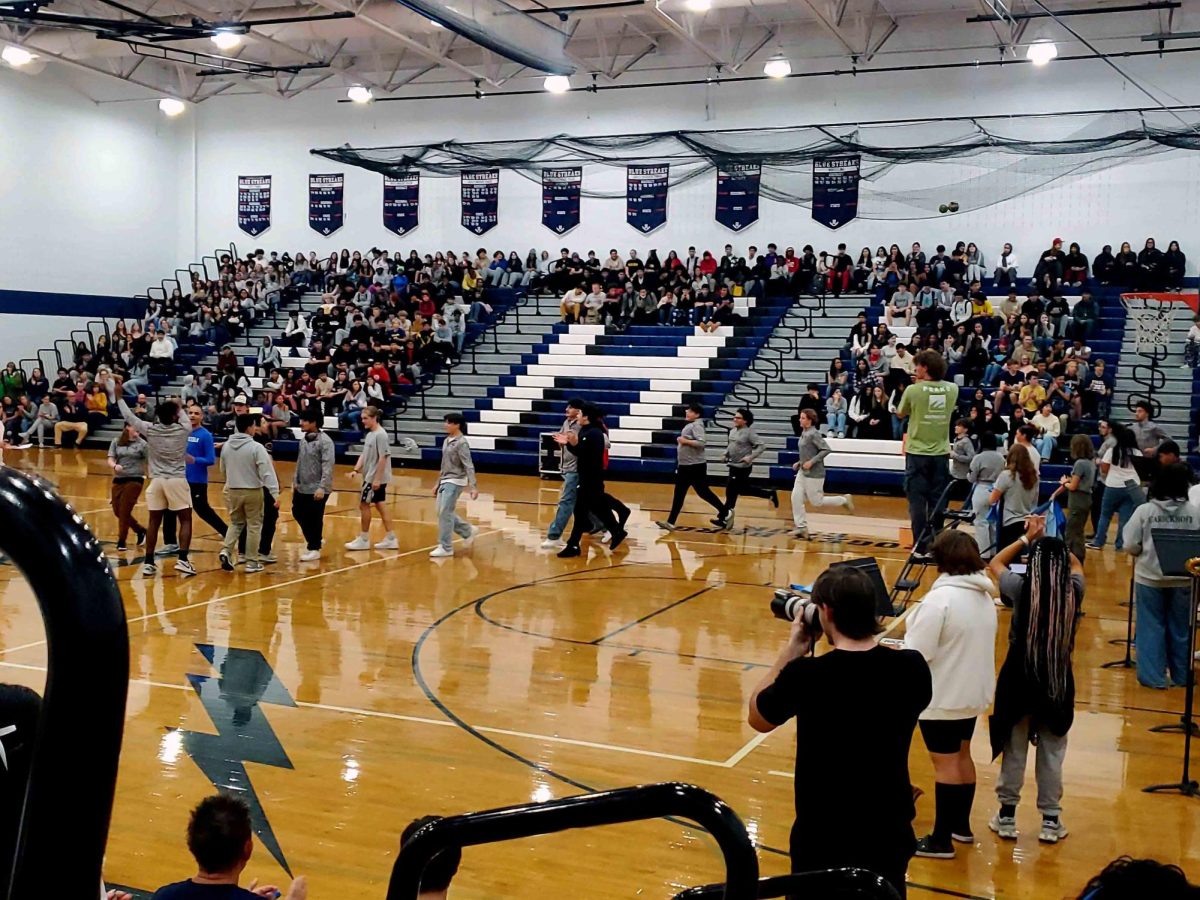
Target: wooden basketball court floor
x=353 y=695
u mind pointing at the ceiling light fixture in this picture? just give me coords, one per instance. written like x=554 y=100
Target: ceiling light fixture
x=557 y=84
x=360 y=94
x=698 y=6
x=436 y=24
x=1041 y=52
x=226 y=40
x=778 y=67
x=16 y=56
x=171 y=107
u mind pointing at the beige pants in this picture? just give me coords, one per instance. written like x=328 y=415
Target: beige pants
x=80 y=429
x=811 y=491
x=245 y=513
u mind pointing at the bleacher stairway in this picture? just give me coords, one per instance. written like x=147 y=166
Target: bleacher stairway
x=1175 y=393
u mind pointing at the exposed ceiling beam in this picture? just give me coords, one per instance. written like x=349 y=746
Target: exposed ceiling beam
x=410 y=43
x=1088 y=11
x=97 y=70
x=828 y=26
x=686 y=35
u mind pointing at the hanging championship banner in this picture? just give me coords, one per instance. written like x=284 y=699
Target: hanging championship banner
x=737 y=195
x=835 y=189
x=560 y=198
x=401 y=202
x=326 y=203
x=254 y=204
x=480 y=200
x=646 y=196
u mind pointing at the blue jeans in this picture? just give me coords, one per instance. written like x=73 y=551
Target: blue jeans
x=897 y=427
x=449 y=524
x=992 y=371
x=1122 y=501
x=1162 y=634
x=1045 y=446
x=566 y=506
x=837 y=423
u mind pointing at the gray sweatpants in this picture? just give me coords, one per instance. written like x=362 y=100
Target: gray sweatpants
x=1051 y=751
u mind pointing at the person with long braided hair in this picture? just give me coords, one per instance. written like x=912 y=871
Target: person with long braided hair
x=1035 y=691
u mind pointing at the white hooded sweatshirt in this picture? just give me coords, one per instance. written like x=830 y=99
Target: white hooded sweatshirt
x=954 y=628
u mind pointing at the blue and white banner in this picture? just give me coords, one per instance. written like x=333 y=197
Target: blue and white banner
x=326 y=203
x=480 y=200
x=254 y=204
x=402 y=202
x=835 y=189
x=646 y=196
x=560 y=198
x=737 y=195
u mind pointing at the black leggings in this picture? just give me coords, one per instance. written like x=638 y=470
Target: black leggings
x=591 y=501
x=739 y=485
x=693 y=476
x=201 y=507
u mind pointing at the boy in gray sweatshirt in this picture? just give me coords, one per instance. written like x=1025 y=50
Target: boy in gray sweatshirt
x=248 y=470
x=691 y=470
x=810 y=475
x=312 y=482
x=457 y=473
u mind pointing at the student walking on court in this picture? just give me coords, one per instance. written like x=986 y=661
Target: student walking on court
x=166 y=450
x=374 y=466
x=588 y=447
x=248 y=470
x=312 y=482
x=1079 y=484
x=954 y=628
x=457 y=473
x=127 y=459
x=691 y=469
x=983 y=471
x=810 y=475
x=744 y=447
x=569 y=468
x=928 y=404
x=1035 y=691
x=201 y=454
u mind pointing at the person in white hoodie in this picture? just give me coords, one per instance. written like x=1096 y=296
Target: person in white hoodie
x=247 y=469
x=954 y=628
x=1163 y=603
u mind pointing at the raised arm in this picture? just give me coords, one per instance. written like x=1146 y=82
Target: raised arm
x=139 y=425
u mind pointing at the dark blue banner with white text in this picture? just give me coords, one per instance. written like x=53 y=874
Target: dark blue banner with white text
x=326 y=203
x=646 y=196
x=560 y=198
x=737 y=195
x=254 y=204
x=835 y=189
x=480 y=200
x=402 y=202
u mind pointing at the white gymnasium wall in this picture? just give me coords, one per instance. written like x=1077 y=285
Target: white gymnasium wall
x=258 y=135
x=89 y=200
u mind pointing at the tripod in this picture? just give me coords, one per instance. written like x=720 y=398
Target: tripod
x=1127 y=661
x=1186 y=784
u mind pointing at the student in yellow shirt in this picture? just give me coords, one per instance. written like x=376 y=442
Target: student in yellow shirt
x=1032 y=395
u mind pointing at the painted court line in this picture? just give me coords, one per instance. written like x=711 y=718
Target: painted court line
x=751 y=745
x=446 y=723
x=258 y=590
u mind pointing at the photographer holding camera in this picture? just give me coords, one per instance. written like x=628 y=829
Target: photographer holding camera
x=856 y=707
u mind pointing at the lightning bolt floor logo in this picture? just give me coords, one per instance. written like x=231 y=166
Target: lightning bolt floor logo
x=234 y=701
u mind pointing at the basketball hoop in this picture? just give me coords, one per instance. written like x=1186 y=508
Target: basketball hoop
x=1151 y=314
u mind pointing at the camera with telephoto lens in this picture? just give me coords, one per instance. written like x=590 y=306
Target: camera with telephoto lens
x=788 y=605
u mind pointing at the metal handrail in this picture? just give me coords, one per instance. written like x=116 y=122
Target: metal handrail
x=630 y=804
x=808 y=884
x=87 y=676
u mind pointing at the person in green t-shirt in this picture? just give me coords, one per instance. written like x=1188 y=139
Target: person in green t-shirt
x=929 y=405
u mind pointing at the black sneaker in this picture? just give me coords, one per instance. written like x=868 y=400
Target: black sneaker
x=775 y=498
x=618 y=539
x=121 y=547
x=568 y=551
x=931 y=849
x=141 y=538
x=718 y=521
x=226 y=561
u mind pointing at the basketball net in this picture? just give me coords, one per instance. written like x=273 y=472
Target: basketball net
x=1152 y=315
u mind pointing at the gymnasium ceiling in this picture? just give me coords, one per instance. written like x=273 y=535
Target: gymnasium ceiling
x=396 y=51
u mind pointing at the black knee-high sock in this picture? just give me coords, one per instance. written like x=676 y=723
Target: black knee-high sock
x=944 y=821
x=965 y=799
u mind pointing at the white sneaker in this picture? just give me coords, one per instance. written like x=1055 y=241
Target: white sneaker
x=1052 y=831
x=149 y=569
x=268 y=558
x=1004 y=826
x=362 y=542
x=310 y=555
x=439 y=552
x=470 y=538
x=167 y=550
x=849 y=504
x=551 y=544
x=389 y=542
x=185 y=566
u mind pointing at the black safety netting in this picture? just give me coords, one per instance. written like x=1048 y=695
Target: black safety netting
x=908 y=169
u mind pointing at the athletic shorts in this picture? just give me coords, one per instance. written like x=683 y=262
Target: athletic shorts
x=946 y=735
x=168 y=493
x=370 y=496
